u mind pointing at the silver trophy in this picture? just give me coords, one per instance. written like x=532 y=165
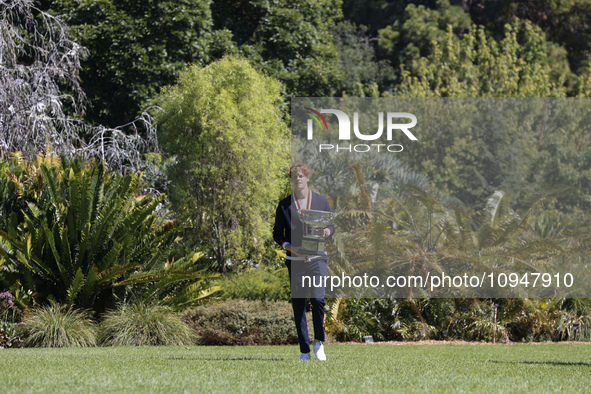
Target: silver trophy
x=312 y=243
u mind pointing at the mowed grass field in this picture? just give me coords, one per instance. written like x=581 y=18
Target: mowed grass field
x=350 y=368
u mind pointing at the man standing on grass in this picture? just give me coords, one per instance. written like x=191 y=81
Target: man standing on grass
x=288 y=232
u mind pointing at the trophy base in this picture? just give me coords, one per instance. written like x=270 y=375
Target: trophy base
x=313 y=247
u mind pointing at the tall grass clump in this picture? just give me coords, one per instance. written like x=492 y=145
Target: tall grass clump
x=56 y=325
x=142 y=324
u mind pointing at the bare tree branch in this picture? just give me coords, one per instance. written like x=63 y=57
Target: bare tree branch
x=40 y=87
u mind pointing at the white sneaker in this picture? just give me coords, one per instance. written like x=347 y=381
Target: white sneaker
x=319 y=351
x=304 y=356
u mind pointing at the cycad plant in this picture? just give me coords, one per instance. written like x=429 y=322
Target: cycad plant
x=416 y=231
x=76 y=229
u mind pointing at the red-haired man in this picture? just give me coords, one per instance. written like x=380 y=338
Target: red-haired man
x=288 y=232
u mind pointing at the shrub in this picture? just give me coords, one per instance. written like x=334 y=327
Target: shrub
x=352 y=319
x=142 y=324
x=242 y=322
x=9 y=311
x=259 y=284
x=217 y=121
x=10 y=317
x=57 y=325
x=69 y=231
x=10 y=335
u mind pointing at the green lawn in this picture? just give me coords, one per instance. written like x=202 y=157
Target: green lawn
x=350 y=368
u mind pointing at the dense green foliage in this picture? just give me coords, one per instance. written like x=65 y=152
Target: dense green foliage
x=137 y=324
x=70 y=231
x=520 y=158
x=227 y=141
x=289 y=40
x=79 y=234
x=518 y=320
x=558 y=19
x=480 y=66
x=363 y=73
x=257 y=284
x=135 y=48
x=412 y=35
x=383 y=221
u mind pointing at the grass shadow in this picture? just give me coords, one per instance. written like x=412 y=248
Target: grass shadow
x=553 y=363
x=214 y=358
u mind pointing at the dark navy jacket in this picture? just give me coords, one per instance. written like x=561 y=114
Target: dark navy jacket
x=288 y=225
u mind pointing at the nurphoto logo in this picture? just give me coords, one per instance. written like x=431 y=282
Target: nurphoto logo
x=392 y=125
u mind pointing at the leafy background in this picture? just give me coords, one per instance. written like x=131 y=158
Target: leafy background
x=126 y=126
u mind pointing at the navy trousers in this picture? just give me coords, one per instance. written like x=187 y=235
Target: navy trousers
x=316 y=268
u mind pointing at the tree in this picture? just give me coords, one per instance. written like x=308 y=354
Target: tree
x=42 y=100
x=564 y=22
x=410 y=37
x=363 y=74
x=478 y=65
x=227 y=141
x=462 y=157
x=39 y=65
x=135 y=48
x=287 y=39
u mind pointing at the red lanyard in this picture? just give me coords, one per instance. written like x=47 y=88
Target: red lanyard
x=298 y=203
